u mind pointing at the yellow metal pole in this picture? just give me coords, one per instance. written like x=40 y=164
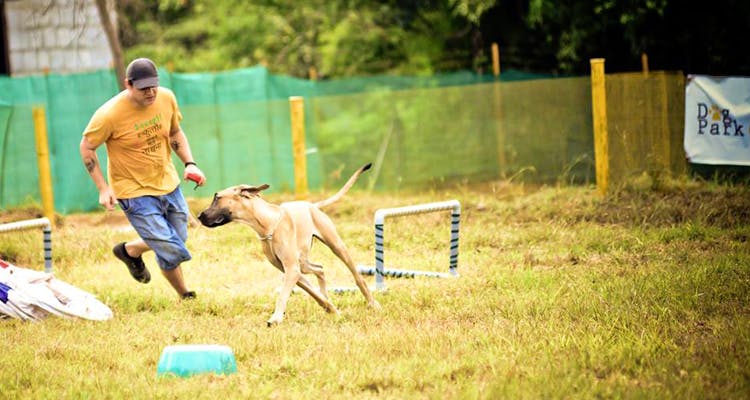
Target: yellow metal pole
x=495 y=60
x=644 y=64
x=599 y=111
x=42 y=157
x=297 y=106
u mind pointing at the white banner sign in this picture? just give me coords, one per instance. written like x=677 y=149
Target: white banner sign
x=717 y=118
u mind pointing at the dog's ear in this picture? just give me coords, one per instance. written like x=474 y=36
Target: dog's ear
x=249 y=191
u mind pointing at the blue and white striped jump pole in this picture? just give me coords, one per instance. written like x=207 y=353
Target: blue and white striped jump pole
x=380 y=216
x=35 y=223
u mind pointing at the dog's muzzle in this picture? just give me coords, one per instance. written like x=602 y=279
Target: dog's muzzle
x=215 y=217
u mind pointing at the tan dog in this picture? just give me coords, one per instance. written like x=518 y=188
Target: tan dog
x=287 y=231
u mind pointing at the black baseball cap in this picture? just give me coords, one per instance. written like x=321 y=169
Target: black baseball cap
x=142 y=73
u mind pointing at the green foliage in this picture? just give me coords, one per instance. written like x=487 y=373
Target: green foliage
x=472 y=10
x=343 y=38
x=338 y=38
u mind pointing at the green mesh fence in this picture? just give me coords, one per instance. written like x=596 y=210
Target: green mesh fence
x=548 y=129
x=19 y=183
x=418 y=131
x=421 y=137
x=645 y=115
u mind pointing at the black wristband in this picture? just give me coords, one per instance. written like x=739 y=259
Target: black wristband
x=190 y=163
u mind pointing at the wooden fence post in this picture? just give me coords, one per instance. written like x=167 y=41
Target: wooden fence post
x=599 y=111
x=495 y=60
x=498 y=111
x=297 y=106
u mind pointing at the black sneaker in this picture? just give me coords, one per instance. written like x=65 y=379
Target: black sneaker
x=135 y=265
x=188 y=295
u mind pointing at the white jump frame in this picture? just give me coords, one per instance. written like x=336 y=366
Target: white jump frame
x=31 y=224
x=381 y=272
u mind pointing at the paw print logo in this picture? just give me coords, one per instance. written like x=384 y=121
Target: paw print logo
x=715 y=112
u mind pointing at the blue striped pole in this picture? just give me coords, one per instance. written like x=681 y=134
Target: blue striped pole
x=455 y=218
x=47 y=249
x=379 y=263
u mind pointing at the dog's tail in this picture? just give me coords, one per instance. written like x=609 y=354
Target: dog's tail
x=344 y=189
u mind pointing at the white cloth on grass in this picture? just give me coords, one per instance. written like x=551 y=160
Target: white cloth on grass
x=34 y=295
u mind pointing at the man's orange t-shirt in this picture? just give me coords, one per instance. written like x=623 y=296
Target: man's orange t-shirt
x=139 y=158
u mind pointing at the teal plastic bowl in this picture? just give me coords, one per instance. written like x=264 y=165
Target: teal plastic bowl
x=191 y=359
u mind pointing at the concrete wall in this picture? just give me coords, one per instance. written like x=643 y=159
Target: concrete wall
x=59 y=36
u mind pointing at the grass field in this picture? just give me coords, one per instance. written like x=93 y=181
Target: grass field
x=562 y=294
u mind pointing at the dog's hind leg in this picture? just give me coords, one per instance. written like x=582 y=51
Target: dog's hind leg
x=308 y=267
x=331 y=238
x=319 y=297
x=293 y=276
x=339 y=249
x=302 y=282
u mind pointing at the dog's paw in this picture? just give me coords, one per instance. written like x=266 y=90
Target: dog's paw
x=271 y=323
x=330 y=308
x=375 y=305
x=274 y=320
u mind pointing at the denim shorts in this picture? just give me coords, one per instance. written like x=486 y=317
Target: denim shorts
x=161 y=221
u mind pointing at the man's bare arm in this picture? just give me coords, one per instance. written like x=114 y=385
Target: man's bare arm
x=91 y=162
x=180 y=145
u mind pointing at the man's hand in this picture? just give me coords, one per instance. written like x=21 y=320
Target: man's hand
x=193 y=173
x=107 y=198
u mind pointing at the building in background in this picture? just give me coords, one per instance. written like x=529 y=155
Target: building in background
x=59 y=36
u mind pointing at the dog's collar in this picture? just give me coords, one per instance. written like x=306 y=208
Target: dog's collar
x=275 y=225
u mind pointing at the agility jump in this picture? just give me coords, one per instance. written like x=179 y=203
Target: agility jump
x=45 y=224
x=381 y=272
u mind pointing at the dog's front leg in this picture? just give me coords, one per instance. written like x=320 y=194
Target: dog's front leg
x=291 y=276
x=292 y=273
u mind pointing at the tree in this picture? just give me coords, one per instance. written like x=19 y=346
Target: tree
x=113 y=39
